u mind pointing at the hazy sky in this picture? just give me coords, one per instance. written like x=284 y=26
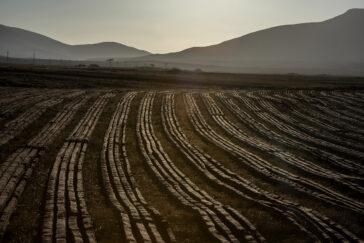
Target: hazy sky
x=161 y=26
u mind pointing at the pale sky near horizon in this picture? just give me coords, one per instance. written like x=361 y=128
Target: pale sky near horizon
x=162 y=26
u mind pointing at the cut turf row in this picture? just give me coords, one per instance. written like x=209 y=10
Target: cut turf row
x=66 y=217
x=262 y=121
x=268 y=170
x=18 y=167
x=15 y=126
x=285 y=156
x=307 y=134
x=15 y=100
x=327 y=112
x=141 y=222
x=305 y=112
x=222 y=221
x=316 y=225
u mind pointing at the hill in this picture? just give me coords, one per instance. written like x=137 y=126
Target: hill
x=321 y=46
x=22 y=44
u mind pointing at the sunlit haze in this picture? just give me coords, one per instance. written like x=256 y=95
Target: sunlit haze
x=162 y=26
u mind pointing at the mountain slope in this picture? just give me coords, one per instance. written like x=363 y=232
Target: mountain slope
x=337 y=41
x=22 y=44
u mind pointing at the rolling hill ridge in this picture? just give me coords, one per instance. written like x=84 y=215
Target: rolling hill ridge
x=327 y=45
x=22 y=44
x=333 y=46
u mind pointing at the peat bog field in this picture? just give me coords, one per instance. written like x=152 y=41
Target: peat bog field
x=161 y=156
